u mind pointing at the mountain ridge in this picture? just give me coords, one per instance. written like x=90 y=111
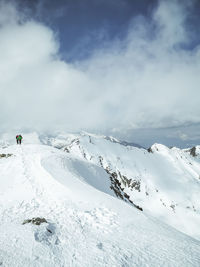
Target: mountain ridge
x=136 y=176
x=60 y=204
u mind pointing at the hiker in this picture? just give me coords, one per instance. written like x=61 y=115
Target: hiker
x=19 y=139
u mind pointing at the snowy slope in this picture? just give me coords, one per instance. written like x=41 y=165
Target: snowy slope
x=87 y=225
x=164 y=182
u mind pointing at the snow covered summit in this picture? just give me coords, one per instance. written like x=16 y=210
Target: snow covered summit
x=162 y=181
x=87 y=200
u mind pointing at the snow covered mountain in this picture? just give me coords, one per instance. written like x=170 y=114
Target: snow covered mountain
x=88 y=200
x=164 y=182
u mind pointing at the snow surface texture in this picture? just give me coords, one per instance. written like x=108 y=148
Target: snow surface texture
x=87 y=188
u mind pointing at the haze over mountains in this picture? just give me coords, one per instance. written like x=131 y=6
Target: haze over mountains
x=141 y=85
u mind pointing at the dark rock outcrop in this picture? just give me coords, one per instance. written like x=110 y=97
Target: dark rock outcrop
x=36 y=221
x=150 y=150
x=116 y=186
x=5 y=155
x=193 y=151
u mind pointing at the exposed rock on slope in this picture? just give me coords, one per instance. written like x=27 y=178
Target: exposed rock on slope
x=164 y=182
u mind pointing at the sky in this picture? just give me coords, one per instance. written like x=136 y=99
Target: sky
x=126 y=68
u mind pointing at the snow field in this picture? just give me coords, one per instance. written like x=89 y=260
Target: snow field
x=87 y=225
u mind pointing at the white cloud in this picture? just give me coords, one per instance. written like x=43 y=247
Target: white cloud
x=183 y=136
x=136 y=82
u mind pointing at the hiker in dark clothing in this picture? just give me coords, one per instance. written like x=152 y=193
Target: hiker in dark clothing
x=19 y=139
